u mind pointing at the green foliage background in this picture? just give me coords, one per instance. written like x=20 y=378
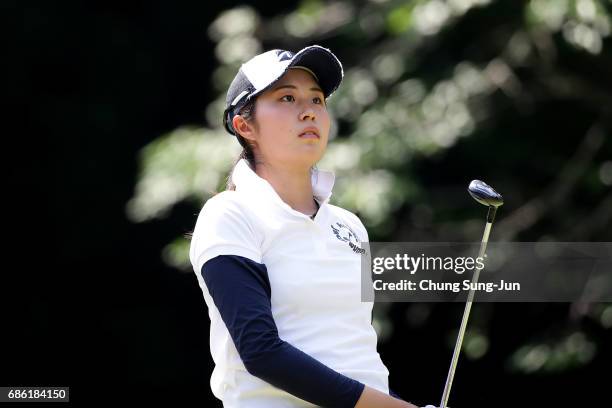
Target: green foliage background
x=436 y=93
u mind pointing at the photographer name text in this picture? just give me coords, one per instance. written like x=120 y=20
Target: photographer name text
x=455 y=287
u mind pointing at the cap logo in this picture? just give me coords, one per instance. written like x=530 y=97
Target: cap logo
x=285 y=55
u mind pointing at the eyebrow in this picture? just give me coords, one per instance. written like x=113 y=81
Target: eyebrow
x=314 y=88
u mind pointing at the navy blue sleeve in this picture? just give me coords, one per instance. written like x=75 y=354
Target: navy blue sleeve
x=241 y=291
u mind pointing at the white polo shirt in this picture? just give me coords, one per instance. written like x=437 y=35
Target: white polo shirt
x=314 y=272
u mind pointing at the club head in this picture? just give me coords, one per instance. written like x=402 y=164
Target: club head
x=484 y=194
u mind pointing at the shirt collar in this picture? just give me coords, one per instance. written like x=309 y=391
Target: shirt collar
x=245 y=178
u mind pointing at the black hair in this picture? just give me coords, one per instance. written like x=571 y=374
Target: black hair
x=248 y=113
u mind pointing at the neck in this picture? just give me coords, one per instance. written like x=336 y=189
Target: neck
x=293 y=185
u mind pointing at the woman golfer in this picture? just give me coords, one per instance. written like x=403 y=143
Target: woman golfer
x=279 y=266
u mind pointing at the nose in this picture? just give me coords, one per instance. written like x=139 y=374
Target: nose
x=308 y=113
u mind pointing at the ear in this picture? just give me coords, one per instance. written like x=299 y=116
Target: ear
x=243 y=127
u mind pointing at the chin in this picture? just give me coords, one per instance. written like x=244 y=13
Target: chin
x=306 y=159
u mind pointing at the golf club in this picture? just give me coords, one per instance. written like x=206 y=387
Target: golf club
x=485 y=195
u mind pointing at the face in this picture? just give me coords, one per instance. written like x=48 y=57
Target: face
x=291 y=125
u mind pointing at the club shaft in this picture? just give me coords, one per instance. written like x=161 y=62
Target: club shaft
x=466 y=311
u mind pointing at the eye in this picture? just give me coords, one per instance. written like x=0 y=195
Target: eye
x=317 y=100
x=287 y=98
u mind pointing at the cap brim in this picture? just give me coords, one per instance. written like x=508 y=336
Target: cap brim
x=323 y=63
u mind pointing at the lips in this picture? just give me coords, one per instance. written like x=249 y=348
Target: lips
x=310 y=133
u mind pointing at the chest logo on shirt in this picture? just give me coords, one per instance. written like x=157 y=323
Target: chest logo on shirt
x=346 y=234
